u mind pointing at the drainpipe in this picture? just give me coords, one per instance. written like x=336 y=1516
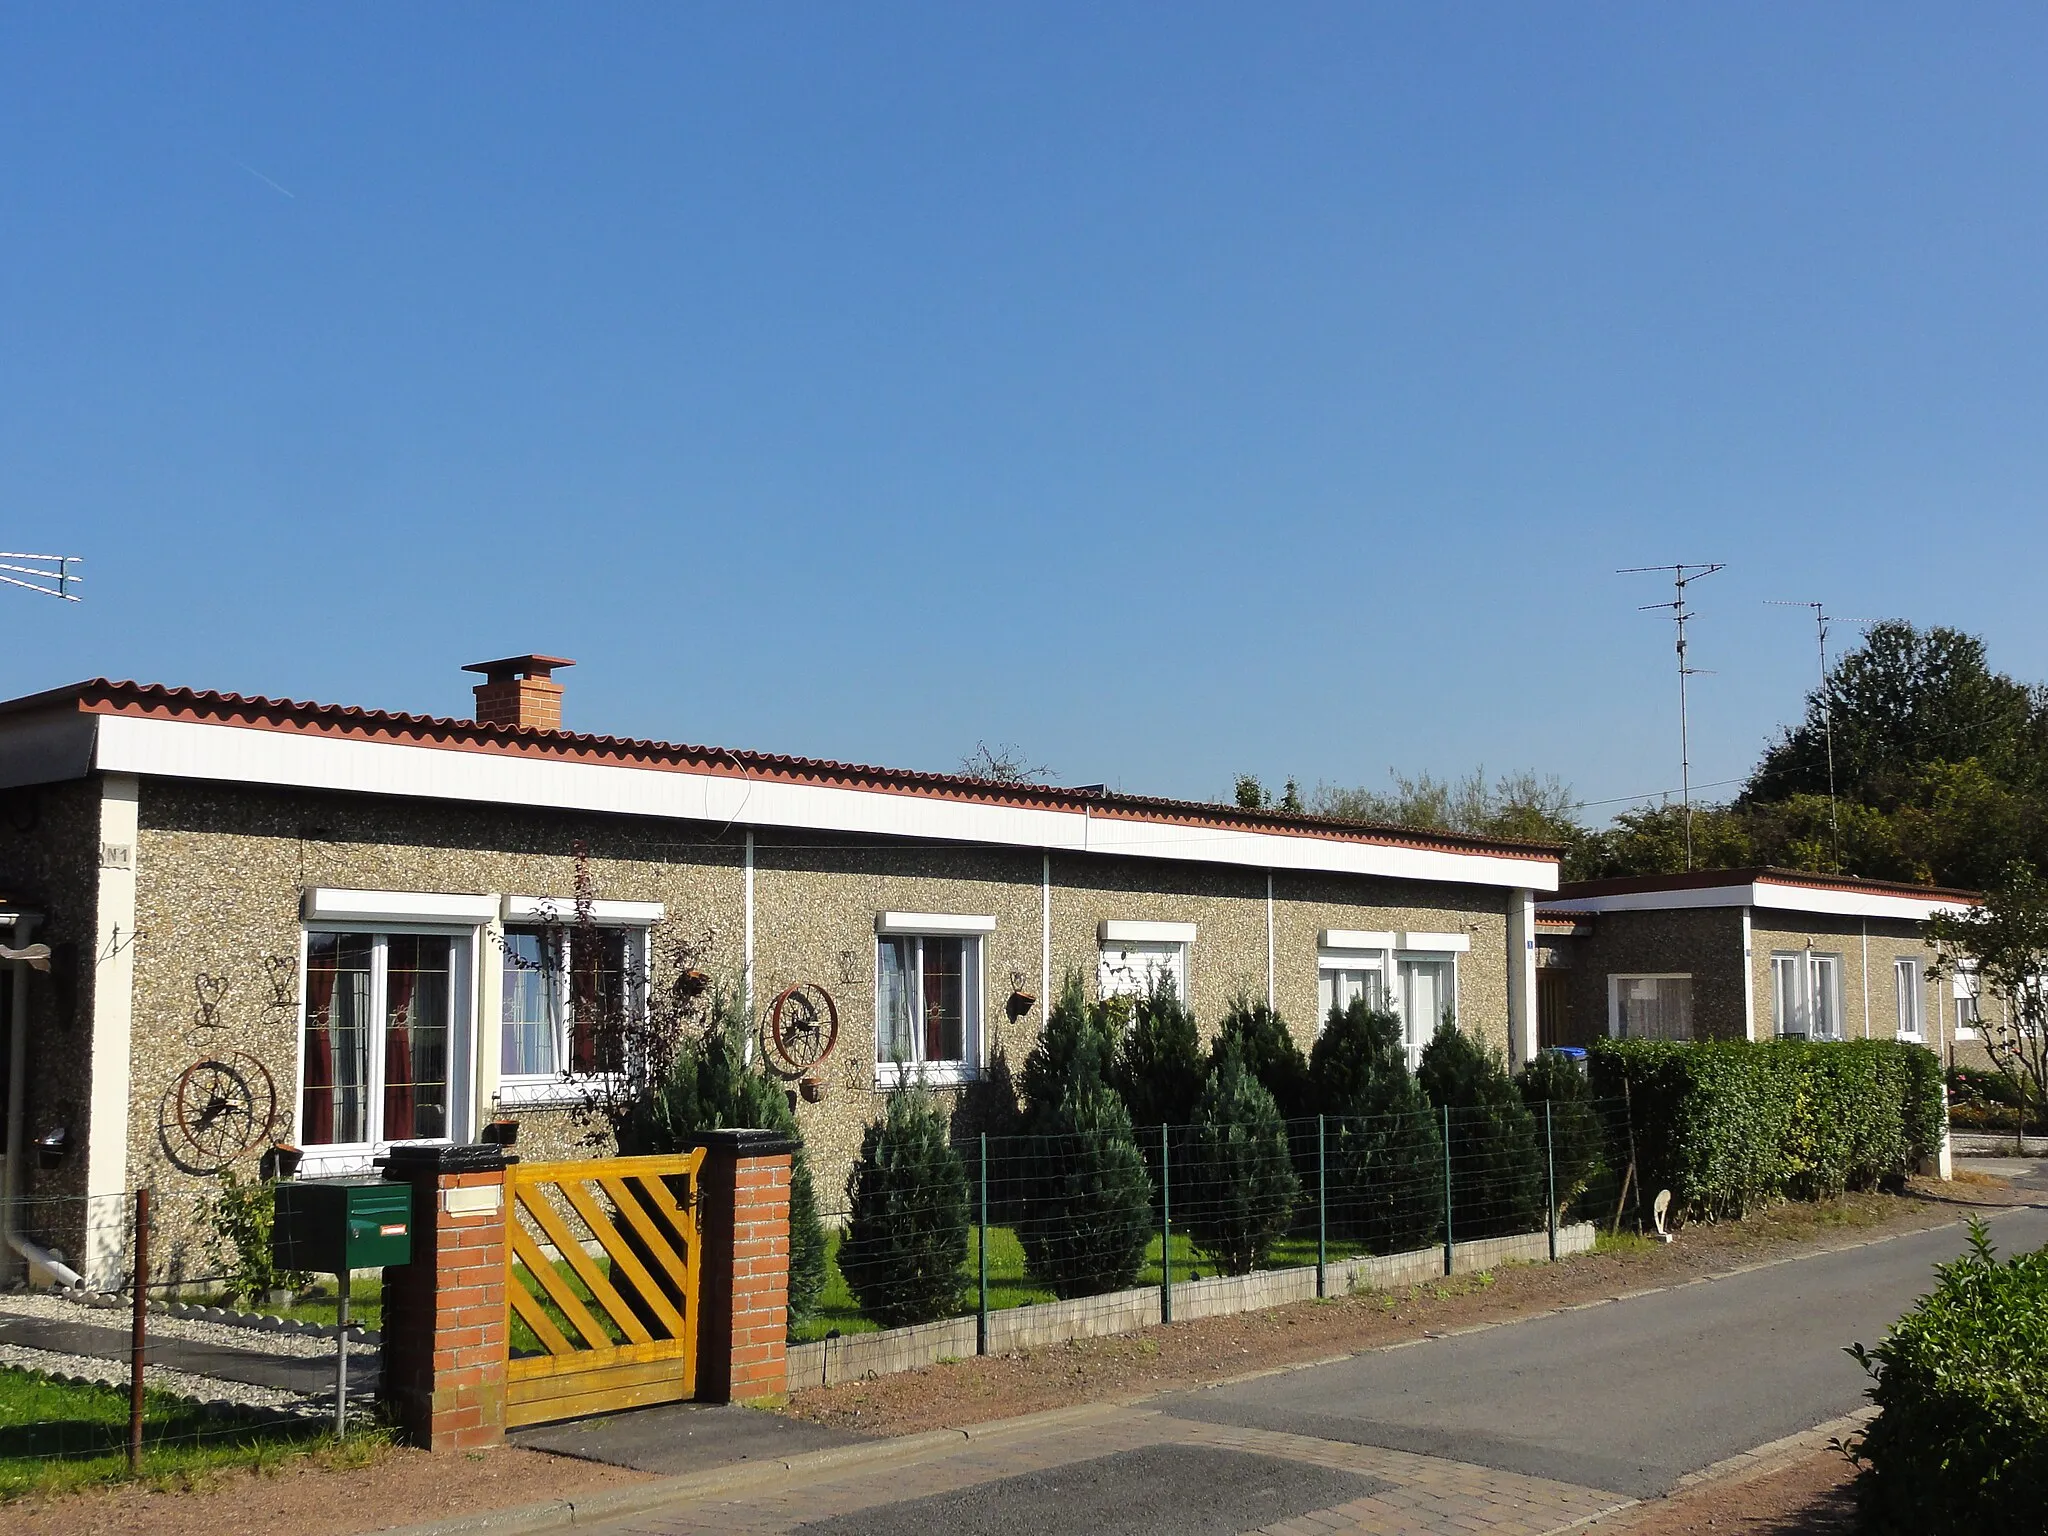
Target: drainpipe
x=17 y=1071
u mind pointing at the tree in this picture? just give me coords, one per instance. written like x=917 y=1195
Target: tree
x=1496 y=1167
x=1382 y=1155
x=2004 y=943
x=1159 y=1061
x=906 y=1235
x=1516 y=805
x=1651 y=841
x=1240 y=1187
x=1004 y=763
x=1265 y=1045
x=1558 y=1086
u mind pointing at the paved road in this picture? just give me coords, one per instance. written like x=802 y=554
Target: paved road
x=1628 y=1396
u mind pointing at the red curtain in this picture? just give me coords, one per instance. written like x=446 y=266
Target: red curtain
x=402 y=984
x=316 y=1103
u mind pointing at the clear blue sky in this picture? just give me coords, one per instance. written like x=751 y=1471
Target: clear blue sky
x=1173 y=390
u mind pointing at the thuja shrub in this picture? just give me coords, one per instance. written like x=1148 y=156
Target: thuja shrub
x=1087 y=1199
x=1382 y=1156
x=1727 y=1126
x=1560 y=1097
x=906 y=1234
x=1960 y=1441
x=1231 y=1174
x=1159 y=1068
x=1265 y=1045
x=1495 y=1158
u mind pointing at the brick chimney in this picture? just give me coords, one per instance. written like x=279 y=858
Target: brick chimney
x=520 y=690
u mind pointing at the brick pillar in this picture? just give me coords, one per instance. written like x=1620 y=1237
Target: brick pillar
x=743 y=1274
x=445 y=1331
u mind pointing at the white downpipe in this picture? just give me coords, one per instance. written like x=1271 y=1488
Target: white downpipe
x=747 y=984
x=1044 y=939
x=1748 y=981
x=1271 y=1000
x=44 y=1267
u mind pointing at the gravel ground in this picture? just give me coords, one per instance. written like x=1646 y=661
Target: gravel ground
x=114 y=1373
x=260 y=1340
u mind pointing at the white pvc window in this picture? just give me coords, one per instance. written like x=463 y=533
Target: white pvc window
x=1134 y=967
x=1806 y=994
x=927 y=1007
x=1650 y=1007
x=567 y=997
x=1343 y=976
x=1426 y=993
x=1968 y=991
x=1912 y=1019
x=383 y=1039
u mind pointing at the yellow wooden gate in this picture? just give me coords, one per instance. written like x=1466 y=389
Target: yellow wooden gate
x=601 y=1262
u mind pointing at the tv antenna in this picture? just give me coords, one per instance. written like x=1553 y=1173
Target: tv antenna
x=1821 y=620
x=1682 y=576
x=50 y=575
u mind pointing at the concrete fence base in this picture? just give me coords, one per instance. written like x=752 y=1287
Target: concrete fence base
x=855 y=1355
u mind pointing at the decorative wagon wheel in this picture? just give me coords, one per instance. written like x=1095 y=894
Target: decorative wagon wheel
x=216 y=1111
x=803 y=1026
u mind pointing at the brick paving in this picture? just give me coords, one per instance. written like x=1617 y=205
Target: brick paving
x=1420 y=1495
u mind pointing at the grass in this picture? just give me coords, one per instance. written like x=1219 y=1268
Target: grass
x=318 y=1303
x=58 y=1436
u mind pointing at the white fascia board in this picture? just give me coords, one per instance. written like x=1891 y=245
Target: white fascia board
x=1118 y=931
x=1771 y=895
x=251 y=755
x=562 y=909
x=1660 y=901
x=939 y=923
x=1437 y=943
x=326 y=904
x=1354 y=938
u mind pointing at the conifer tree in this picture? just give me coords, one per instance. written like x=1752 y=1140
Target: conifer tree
x=1240 y=1183
x=906 y=1236
x=1383 y=1158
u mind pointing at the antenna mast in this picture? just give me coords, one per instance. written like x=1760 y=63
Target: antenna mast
x=1821 y=620
x=50 y=575
x=1682 y=576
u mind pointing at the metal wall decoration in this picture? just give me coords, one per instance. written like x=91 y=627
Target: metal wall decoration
x=212 y=991
x=283 y=975
x=218 y=1109
x=803 y=1027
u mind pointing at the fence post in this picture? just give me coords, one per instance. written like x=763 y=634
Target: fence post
x=1165 y=1231
x=1322 y=1213
x=138 y=1335
x=1450 y=1248
x=981 y=1314
x=1550 y=1175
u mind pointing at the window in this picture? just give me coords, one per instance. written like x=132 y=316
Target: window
x=1649 y=1007
x=1342 y=977
x=1133 y=967
x=1806 y=994
x=566 y=995
x=379 y=1038
x=1969 y=1000
x=927 y=1006
x=1912 y=1020
x=1426 y=993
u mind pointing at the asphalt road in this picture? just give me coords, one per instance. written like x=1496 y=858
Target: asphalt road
x=1631 y=1395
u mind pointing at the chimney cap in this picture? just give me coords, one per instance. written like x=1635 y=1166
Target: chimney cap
x=510 y=667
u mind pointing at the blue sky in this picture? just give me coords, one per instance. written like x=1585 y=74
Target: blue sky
x=1174 y=391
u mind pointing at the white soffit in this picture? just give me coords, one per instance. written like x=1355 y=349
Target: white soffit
x=327 y=904
x=943 y=924
x=1770 y=895
x=252 y=755
x=562 y=909
x=1354 y=938
x=1117 y=931
x=1437 y=943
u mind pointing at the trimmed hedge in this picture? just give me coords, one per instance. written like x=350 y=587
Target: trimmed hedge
x=1730 y=1125
x=1960 y=1443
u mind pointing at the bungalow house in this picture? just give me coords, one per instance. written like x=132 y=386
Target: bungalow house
x=1749 y=954
x=274 y=921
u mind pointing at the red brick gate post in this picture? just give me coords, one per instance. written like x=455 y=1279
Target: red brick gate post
x=743 y=1274
x=445 y=1329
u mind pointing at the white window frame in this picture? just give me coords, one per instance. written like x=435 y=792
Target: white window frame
x=1966 y=986
x=1333 y=958
x=1615 y=981
x=1174 y=941
x=1809 y=987
x=464 y=958
x=969 y=931
x=1448 y=960
x=1909 y=981
x=567 y=1086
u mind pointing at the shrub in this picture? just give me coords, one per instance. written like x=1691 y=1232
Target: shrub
x=906 y=1237
x=1159 y=1062
x=710 y=1086
x=1087 y=1198
x=1496 y=1163
x=242 y=1213
x=1383 y=1158
x=1265 y=1045
x=1240 y=1184
x=1729 y=1125
x=1960 y=1442
x=1558 y=1084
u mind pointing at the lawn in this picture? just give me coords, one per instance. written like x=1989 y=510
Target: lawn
x=56 y=1436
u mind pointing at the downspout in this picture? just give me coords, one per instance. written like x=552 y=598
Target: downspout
x=1271 y=1002
x=1045 y=938
x=1748 y=981
x=747 y=982
x=17 y=1091
x=1866 y=978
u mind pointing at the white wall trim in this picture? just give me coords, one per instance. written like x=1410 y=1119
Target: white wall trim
x=1436 y=943
x=249 y=755
x=111 y=982
x=1119 y=931
x=1771 y=895
x=329 y=904
x=1355 y=938
x=1521 y=977
x=562 y=909
x=936 y=923
x=1748 y=979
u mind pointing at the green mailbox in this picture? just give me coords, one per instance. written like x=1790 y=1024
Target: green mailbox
x=332 y=1226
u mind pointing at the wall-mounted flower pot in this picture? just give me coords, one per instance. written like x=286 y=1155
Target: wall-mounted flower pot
x=51 y=1148
x=501 y=1133
x=284 y=1160
x=812 y=1089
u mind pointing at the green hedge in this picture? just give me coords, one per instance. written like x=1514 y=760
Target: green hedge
x=1729 y=1125
x=1960 y=1443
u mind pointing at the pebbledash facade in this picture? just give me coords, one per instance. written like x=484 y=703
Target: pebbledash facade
x=1750 y=954
x=353 y=898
